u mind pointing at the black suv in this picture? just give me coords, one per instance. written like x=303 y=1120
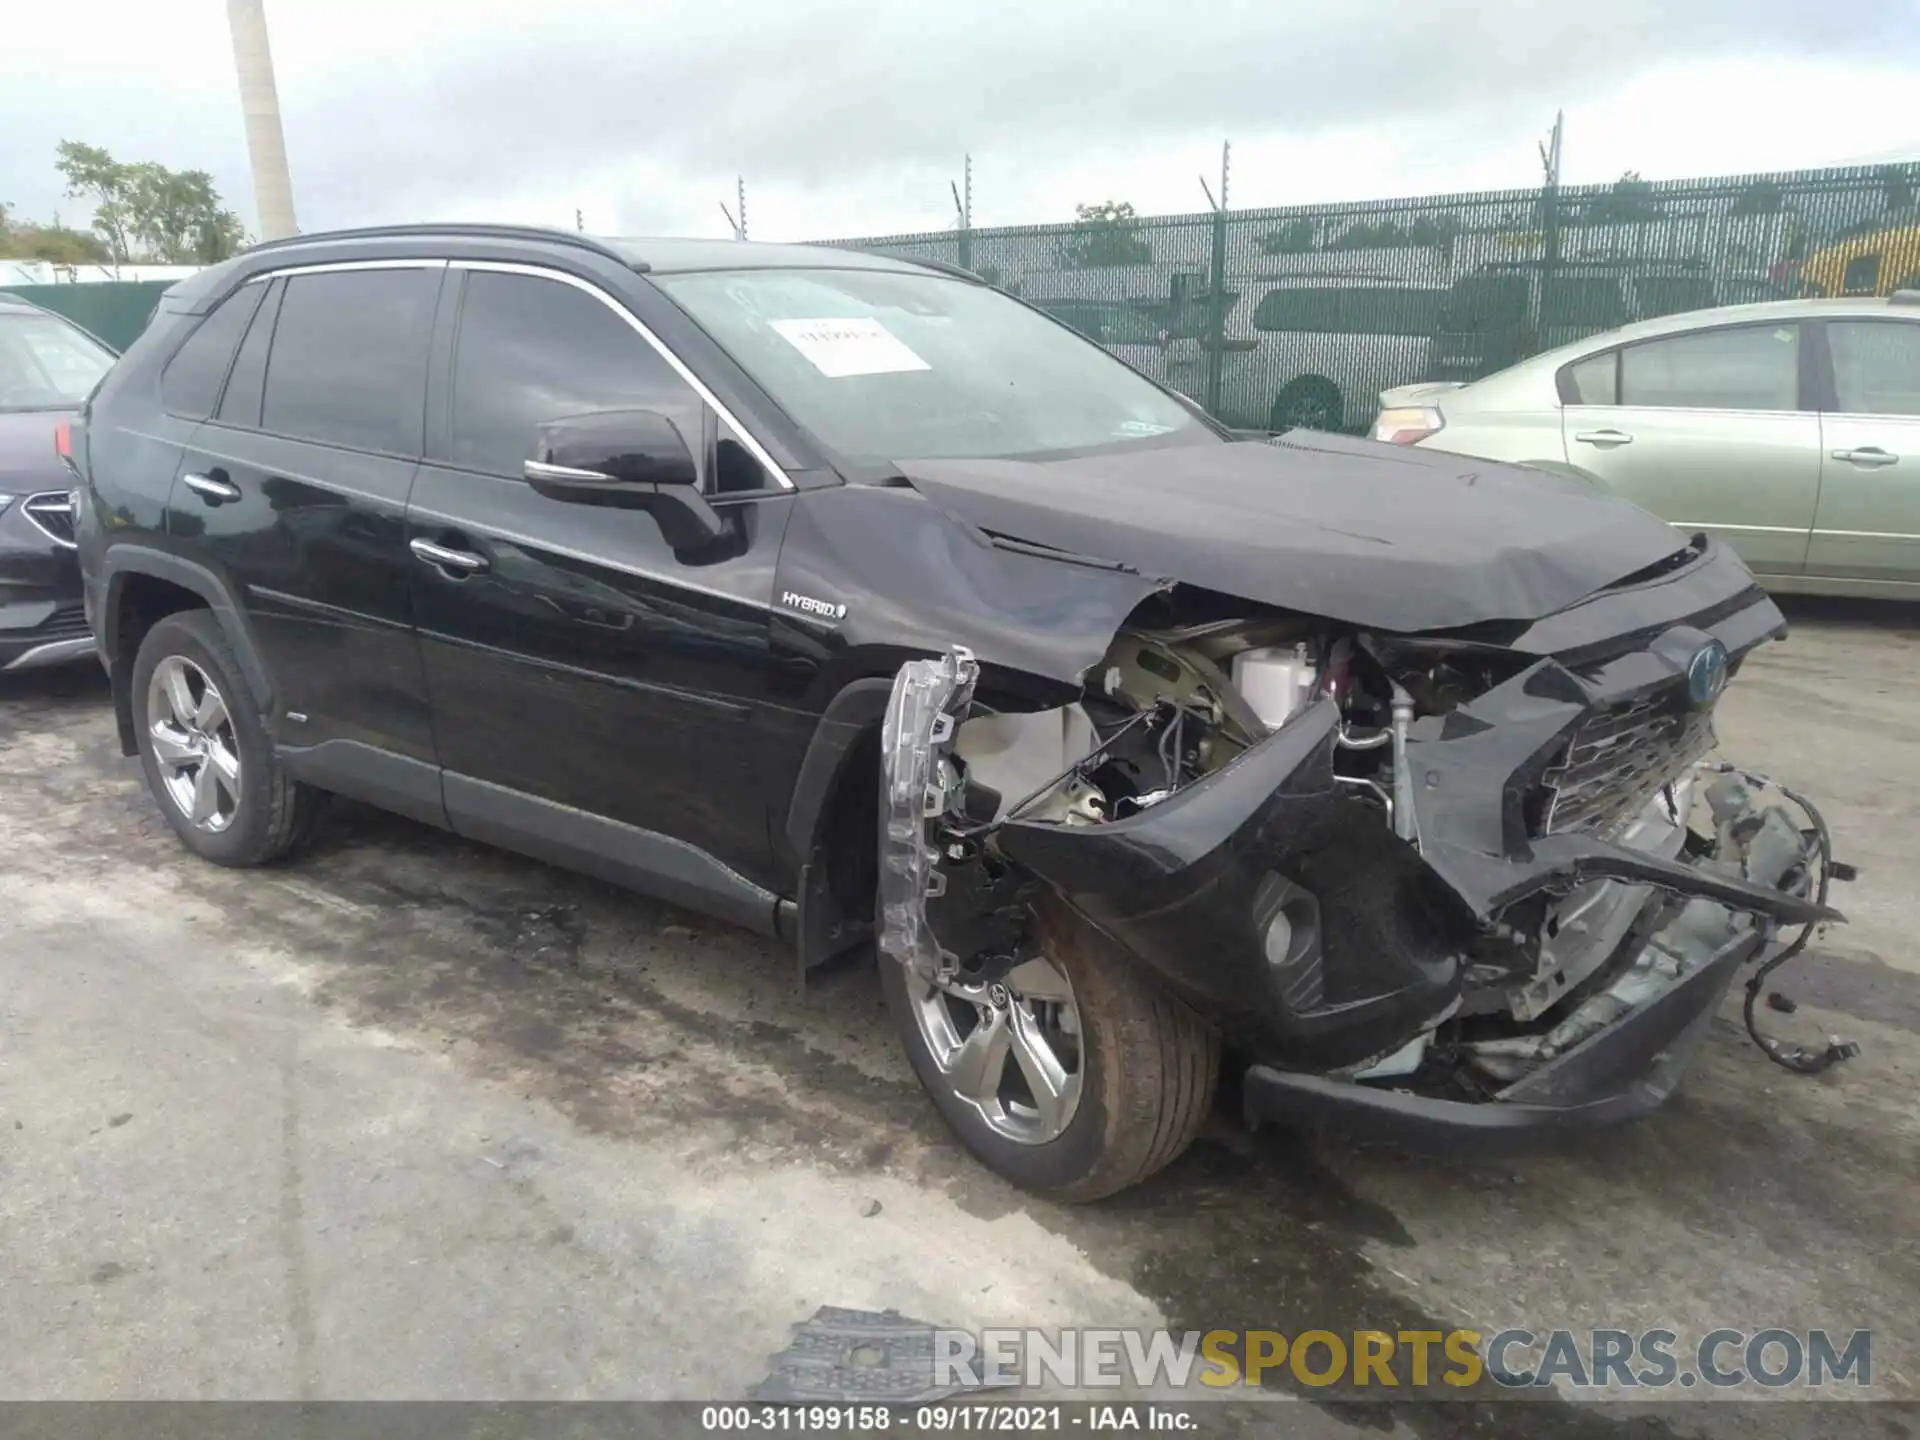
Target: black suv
x=48 y=365
x=854 y=601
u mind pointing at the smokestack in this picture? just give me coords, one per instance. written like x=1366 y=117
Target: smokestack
x=260 y=103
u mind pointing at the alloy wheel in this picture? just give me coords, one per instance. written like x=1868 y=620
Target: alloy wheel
x=1010 y=1048
x=193 y=744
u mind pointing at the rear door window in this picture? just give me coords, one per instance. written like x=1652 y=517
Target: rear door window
x=190 y=385
x=1593 y=381
x=1876 y=366
x=349 y=359
x=1749 y=367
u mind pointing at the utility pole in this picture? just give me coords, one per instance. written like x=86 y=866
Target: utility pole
x=260 y=105
x=1549 y=237
x=963 y=206
x=579 y=220
x=1217 y=291
x=740 y=194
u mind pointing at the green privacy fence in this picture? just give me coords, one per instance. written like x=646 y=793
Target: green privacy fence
x=1318 y=308
x=115 y=310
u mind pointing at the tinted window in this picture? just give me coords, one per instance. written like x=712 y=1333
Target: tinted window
x=1861 y=277
x=1594 y=381
x=1597 y=302
x=45 y=363
x=191 y=383
x=1755 y=367
x=1876 y=366
x=1484 y=302
x=535 y=350
x=349 y=360
x=241 y=403
x=1350 y=310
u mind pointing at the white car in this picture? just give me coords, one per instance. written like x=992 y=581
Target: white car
x=1790 y=431
x=1311 y=351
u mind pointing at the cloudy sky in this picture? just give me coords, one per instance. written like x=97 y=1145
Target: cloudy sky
x=849 y=117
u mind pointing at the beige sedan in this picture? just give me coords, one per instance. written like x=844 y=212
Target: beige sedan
x=1790 y=430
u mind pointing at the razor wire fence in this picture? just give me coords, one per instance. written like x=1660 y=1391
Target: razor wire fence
x=1302 y=315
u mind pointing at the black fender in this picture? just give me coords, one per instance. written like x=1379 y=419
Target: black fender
x=119 y=564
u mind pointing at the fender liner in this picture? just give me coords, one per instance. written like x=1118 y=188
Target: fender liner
x=856 y=709
x=822 y=929
x=126 y=560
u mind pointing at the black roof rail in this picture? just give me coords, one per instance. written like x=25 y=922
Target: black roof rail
x=474 y=231
x=1904 y=297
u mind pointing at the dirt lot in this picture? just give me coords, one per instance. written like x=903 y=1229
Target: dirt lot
x=415 y=1118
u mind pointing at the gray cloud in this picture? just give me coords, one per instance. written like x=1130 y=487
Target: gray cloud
x=435 y=106
x=813 y=91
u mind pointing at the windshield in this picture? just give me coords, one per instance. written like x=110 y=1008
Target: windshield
x=1350 y=310
x=884 y=366
x=45 y=363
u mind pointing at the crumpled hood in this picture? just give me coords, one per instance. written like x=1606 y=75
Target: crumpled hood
x=1376 y=535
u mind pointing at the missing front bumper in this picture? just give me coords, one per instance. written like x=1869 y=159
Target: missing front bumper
x=1617 y=1075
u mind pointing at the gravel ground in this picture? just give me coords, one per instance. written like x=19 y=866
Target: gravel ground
x=414 y=1118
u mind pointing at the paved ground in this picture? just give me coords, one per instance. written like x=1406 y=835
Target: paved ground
x=415 y=1118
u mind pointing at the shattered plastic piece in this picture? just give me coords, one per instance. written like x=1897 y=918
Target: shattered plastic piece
x=861 y=1356
x=929 y=698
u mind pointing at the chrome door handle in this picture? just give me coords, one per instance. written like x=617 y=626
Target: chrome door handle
x=212 y=487
x=1603 y=437
x=1872 y=457
x=432 y=554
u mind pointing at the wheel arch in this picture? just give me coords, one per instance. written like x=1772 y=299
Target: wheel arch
x=141 y=586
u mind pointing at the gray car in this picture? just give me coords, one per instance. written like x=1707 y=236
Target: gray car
x=1791 y=430
x=48 y=366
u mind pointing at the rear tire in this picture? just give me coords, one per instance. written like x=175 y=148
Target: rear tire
x=1309 y=403
x=1147 y=1067
x=205 y=751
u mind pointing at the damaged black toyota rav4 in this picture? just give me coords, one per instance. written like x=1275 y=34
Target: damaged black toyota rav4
x=857 y=602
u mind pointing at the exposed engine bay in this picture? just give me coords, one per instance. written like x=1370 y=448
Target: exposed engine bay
x=1437 y=869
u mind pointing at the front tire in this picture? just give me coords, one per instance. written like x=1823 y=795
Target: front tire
x=204 y=748
x=1079 y=1078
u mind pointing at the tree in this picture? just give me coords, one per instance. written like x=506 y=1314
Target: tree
x=1293 y=238
x=1760 y=197
x=1897 y=185
x=1107 y=234
x=143 y=210
x=1629 y=201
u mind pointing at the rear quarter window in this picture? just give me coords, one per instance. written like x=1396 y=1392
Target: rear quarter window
x=190 y=385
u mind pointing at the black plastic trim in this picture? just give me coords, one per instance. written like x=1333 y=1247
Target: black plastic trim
x=654 y=864
x=125 y=559
x=365 y=772
x=857 y=708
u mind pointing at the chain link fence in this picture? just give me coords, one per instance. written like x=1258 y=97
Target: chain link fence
x=1318 y=308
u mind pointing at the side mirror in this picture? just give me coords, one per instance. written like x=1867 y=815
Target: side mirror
x=630 y=460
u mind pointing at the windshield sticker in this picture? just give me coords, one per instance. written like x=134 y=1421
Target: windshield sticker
x=838 y=346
